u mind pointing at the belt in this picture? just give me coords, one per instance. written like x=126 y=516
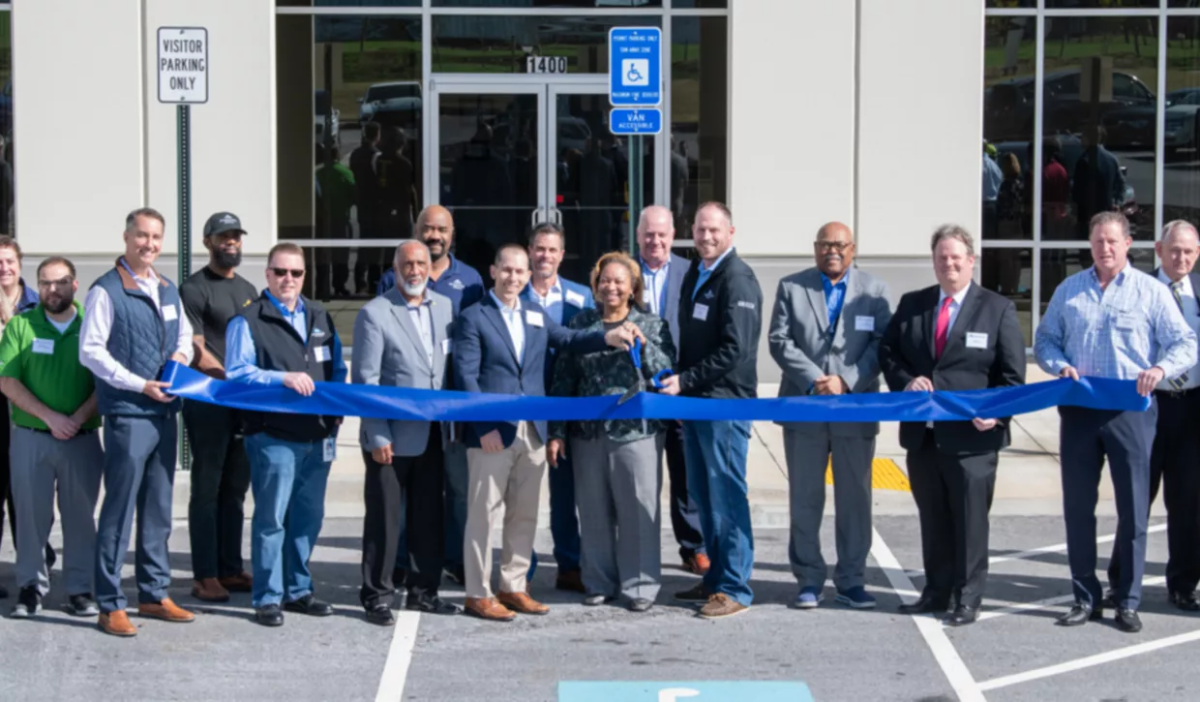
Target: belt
x=81 y=432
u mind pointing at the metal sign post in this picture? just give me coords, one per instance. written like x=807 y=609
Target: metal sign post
x=183 y=82
x=635 y=80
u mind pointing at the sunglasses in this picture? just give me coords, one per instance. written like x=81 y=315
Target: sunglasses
x=283 y=272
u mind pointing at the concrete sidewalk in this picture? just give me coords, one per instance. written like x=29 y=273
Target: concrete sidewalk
x=1027 y=483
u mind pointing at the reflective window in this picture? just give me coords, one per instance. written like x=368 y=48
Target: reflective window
x=1057 y=264
x=1009 y=272
x=349 y=143
x=499 y=44
x=1099 y=122
x=1100 y=4
x=1181 y=122
x=1010 y=3
x=698 y=167
x=578 y=4
x=1183 y=3
x=1008 y=99
x=348 y=3
x=7 y=220
x=700 y=4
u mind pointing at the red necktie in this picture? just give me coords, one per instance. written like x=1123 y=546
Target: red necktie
x=943 y=327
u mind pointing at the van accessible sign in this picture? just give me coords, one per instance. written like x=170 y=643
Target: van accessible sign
x=182 y=65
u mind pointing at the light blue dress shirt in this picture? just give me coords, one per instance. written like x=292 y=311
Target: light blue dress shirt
x=516 y=326
x=706 y=272
x=992 y=178
x=240 y=352
x=1114 y=332
x=655 y=286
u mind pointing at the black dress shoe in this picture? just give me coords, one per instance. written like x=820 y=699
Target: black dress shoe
x=698 y=593
x=1186 y=601
x=381 y=614
x=269 y=615
x=1129 y=621
x=309 y=605
x=430 y=604
x=925 y=604
x=962 y=616
x=1080 y=614
x=1110 y=599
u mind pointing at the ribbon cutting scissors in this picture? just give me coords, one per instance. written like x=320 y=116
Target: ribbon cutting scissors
x=642 y=384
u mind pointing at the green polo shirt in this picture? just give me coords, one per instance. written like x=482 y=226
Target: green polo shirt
x=46 y=362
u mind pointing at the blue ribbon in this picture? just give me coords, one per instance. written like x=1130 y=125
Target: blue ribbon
x=373 y=401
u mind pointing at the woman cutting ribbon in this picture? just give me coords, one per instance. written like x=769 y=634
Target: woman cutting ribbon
x=618 y=472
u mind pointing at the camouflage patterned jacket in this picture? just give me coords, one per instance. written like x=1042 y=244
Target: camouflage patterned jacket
x=611 y=372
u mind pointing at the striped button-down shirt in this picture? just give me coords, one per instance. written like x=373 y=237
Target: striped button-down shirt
x=1114 y=332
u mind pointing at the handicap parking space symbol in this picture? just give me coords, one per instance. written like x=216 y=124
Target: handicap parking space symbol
x=635 y=72
x=691 y=691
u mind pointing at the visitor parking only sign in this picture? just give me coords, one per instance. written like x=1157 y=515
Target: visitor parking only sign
x=182 y=65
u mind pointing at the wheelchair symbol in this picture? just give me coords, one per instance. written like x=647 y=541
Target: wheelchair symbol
x=633 y=76
x=635 y=72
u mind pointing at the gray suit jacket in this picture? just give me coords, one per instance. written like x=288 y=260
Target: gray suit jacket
x=802 y=345
x=670 y=311
x=388 y=351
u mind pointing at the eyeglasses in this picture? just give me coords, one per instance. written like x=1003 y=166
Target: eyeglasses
x=283 y=272
x=63 y=283
x=838 y=246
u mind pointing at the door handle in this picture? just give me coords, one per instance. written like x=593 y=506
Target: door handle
x=556 y=216
x=536 y=218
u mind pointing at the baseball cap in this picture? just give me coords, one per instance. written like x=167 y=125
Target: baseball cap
x=223 y=222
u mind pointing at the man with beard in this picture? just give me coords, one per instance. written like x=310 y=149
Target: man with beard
x=133 y=328
x=55 y=442
x=220 y=470
x=463 y=285
x=402 y=339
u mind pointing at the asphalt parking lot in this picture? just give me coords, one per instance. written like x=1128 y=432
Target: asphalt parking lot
x=1013 y=653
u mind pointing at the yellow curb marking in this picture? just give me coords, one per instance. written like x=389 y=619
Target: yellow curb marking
x=885 y=475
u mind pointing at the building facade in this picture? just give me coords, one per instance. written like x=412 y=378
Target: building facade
x=878 y=113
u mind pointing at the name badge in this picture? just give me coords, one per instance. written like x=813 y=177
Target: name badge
x=321 y=354
x=329 y=450
x=864 y=323
x=170 y=314
x=700 y=312
x=45 y=346
x=447 y=346
x=574 y=298
x=533 y=319
x=977 y=340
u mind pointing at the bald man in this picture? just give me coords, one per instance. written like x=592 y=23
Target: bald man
x=1175 y=453
x=463 y=285
x=662 y=276
x=825 y=332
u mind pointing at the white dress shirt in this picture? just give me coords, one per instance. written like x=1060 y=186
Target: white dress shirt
x=516 y=326
x=655 y=281
x=553 y=295
x=955 y=306
x=1191 y=315
x=97 y=326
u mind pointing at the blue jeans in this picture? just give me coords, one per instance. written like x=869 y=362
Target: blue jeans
x=288 y=481
x=716 y=474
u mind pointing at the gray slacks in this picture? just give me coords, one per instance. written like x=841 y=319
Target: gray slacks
x=807 y=453
x=41 y=466
x=617 y=487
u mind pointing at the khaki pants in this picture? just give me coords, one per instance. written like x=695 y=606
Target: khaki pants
x=512 y=479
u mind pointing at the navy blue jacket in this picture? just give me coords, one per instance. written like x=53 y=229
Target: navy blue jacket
x=485 y=360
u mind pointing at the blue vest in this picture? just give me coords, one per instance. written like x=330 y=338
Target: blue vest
x=140 y=340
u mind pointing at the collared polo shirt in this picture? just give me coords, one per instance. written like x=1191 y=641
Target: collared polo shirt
x=46 y=361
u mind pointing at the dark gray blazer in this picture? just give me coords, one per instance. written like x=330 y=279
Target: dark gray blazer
x=388 y=351
x=670 y=311
x=804 y=348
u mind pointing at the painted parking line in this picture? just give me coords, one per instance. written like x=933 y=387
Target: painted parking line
x=661 y=691
x=1043 y=550
x=395 y=671
x=931 y=630
x=885 y=475
x=1090 y=661
x=1051 y=602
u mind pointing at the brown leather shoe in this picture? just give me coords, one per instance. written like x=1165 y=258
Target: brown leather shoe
x=167 y=611
x=571 y=581
x=698 y=564
x=721 y=605
x=209 y=590
x=242 y=582
x=117 y=623
x=490 y=609
x=521 y=602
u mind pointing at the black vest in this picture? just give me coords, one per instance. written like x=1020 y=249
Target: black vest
x=278 y=347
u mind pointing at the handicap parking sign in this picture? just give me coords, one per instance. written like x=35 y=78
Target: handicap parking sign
x=696 y=691
x=635 y=66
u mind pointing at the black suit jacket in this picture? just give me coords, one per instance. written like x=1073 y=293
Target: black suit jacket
x=907 y=352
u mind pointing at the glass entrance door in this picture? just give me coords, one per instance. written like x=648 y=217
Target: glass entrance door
x=513 y=154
